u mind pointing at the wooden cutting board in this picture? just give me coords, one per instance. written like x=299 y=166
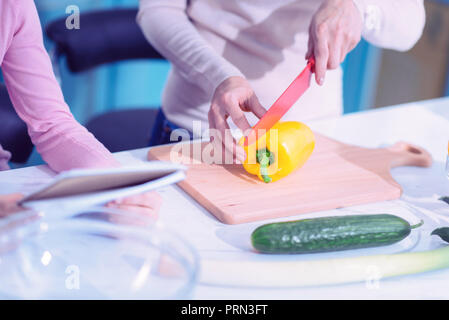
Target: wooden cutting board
x=336 y=175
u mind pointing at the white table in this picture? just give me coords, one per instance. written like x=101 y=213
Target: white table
x=423 y=123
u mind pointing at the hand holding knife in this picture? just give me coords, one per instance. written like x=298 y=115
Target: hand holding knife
x=283 y=103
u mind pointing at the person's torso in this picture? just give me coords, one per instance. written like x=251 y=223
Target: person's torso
x=254 y=30
x=267 y=41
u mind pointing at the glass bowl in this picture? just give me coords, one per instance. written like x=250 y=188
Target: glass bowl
x=96 y=254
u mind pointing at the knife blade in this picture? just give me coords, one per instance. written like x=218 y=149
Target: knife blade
x=295 y=90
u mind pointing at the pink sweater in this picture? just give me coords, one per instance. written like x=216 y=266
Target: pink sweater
x=62 y=142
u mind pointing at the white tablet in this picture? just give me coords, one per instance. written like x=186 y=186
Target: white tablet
x=72 y=190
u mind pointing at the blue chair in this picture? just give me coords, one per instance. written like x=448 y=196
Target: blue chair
x=13 y=131
x=105 y=37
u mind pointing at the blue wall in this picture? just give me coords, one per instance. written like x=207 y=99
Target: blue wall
x=360 y=73
x=115 y=86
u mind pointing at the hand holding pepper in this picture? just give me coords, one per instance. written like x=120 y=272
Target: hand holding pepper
x=8 y=204
x=232 y=98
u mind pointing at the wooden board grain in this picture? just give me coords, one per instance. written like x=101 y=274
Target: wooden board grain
x=336 y=175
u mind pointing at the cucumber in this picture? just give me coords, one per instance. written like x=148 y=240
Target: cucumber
x=331 y=234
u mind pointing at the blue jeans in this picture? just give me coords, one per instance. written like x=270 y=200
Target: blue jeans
x=162 y=130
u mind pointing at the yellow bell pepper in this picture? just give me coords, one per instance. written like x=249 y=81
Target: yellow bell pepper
x=283 y=149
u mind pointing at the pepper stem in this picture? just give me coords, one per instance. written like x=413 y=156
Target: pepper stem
x=265 y=158
x=417 y=225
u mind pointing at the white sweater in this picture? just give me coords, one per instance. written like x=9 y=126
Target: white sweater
x=264 y=41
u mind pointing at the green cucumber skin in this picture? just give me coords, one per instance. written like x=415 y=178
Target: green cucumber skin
x=330 y=234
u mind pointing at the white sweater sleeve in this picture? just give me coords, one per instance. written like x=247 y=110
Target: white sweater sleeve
x=392 y=24
x=167 y=27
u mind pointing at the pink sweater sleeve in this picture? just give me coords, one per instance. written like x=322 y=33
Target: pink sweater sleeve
x=62 y=142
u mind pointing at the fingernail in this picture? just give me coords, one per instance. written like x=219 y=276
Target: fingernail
x=321 y=81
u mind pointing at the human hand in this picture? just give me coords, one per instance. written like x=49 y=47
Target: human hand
x=232 y=98
x=335 y=30
x=146 y=204
x=8 y=208
x=8 y=204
